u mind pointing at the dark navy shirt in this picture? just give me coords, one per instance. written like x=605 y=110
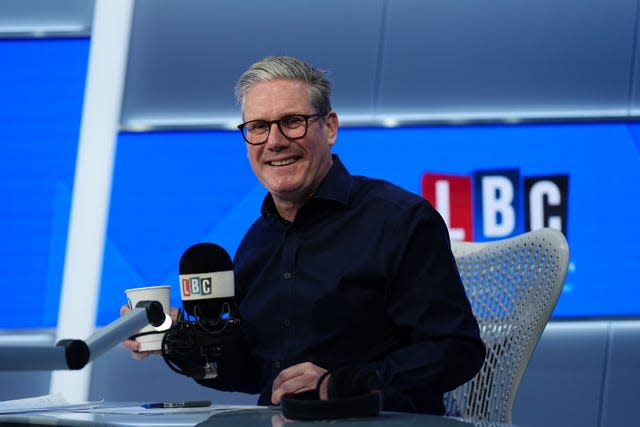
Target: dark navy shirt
x=364 y=275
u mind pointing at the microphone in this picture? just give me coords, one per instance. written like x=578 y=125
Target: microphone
x=209 y=315
x=206 y=280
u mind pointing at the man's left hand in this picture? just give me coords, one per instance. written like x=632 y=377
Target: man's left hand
x=298 y=378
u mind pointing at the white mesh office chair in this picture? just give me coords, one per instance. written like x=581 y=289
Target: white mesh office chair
x=513 y=285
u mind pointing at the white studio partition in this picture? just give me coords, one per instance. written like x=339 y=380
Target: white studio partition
x=92 y=183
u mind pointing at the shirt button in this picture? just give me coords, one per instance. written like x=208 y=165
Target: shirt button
x=287 y=275
x=276 y=364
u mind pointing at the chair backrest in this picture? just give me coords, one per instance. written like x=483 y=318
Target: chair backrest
x=513 y=286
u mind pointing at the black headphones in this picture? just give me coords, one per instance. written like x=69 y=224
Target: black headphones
x=354 y=392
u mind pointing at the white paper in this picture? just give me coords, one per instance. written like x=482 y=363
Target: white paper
x=48 y=402
x=139 y=410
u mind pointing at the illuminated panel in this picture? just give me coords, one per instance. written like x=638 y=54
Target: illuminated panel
x=175 y=189
x=41 y=92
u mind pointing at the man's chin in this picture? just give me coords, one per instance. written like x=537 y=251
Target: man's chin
x=290 y=193
x=283 y=184
x=285 y=193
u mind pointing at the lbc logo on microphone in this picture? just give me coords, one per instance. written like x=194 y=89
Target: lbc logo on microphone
x=496 y=204
x=197 y=286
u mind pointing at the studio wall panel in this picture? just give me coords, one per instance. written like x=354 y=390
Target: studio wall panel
x=39 y=18
x=42 y=85
x=424 y=61
x=563 y=382
x=504 y=58
x=621 y=389
x=635 y=77
x=185 y=57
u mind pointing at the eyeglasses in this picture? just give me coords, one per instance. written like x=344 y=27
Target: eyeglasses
x=294 y=126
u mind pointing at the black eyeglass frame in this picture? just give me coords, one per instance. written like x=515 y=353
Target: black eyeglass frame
x=270 y=123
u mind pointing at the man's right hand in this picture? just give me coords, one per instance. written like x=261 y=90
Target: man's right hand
x=134 y=345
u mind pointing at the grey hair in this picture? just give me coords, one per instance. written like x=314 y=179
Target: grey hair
x=287 y=68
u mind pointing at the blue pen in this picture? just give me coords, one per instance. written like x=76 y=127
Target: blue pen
x=185 y=404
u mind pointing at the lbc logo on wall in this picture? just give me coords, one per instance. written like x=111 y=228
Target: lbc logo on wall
x=496 y=204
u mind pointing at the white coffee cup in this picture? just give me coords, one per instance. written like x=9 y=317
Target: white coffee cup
x=152 y=340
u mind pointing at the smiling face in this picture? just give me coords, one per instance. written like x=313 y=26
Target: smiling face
x=290 y=170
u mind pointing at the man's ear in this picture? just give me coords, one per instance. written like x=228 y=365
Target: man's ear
x=331 y=123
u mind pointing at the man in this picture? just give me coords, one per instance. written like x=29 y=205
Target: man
x=339 y=271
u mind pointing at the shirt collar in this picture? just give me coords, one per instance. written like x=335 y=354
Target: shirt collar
x=336 y=186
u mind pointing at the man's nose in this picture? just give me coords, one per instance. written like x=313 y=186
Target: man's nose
x=276 y=138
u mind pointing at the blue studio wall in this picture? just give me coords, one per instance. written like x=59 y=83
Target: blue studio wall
x=41 y=95
x=198 y=186
x=173 y=189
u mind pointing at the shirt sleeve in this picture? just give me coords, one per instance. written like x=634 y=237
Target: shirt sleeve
x=428 y=305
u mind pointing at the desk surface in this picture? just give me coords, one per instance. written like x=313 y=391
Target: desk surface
x=239 y=417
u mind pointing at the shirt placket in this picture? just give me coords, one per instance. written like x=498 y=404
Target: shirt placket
x=287 y=297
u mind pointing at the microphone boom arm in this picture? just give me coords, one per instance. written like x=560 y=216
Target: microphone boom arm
x=75 y=354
